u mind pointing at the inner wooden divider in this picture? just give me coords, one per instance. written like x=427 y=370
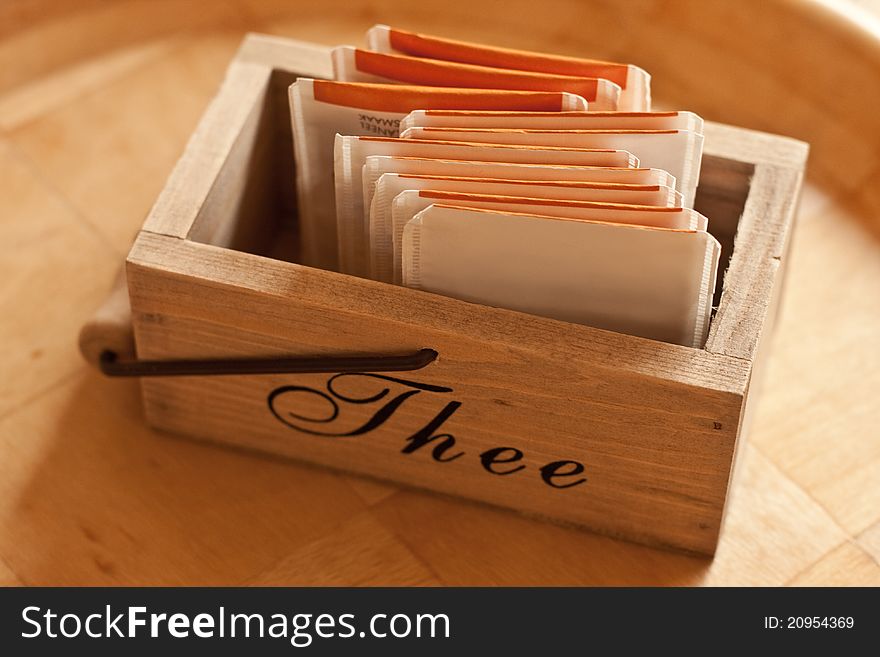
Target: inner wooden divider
x=252 y=205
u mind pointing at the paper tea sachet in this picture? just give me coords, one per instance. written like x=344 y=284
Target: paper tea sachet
x=321 y=109
x=355 y=65
x=634 y=82
x=376 y=165
x=352 y=216
x=677 y=151
x=409 y=203
x=390 y=185
x=651 y=282
x=434 y=118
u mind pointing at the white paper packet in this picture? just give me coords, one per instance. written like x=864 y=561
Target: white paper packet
x=679 y=152
x=355 y=65
x=321 y=108
x=410 y=202
x=377 y=165
x=389 y=185
x=650 y=282
x=635 y=82
x=352 y=216
x=431 y=118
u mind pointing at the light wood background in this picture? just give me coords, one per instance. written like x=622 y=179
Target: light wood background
x=96 y=102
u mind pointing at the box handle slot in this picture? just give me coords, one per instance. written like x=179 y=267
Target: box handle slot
x=111 y=365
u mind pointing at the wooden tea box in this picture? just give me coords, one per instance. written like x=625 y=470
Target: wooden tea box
x=622 y=435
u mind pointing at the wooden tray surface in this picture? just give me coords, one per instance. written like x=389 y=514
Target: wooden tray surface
x=97 y=100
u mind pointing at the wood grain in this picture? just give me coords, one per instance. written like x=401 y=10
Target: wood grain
x=848 y=565
x=47 y=245
x=386 y=558
x=98 y=102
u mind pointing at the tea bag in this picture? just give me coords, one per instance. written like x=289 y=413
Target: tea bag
x=677 y=151
x=651 y=282
x=634 y=82
x=376 y=165
x=321 y=109
x=390 y=185
x=355 y=65
x=433 y=118
x=352 y=216
x=409 y=203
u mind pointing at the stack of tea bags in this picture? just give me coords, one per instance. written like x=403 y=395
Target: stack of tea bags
x=533 y=182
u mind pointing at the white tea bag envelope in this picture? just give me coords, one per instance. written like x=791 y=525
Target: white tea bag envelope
x=390 y=185
x=409 y=203
x=376 y=165
x=651 y=282
x=355 y=65
x=435 y=118
x=635 y=83
x=677 y=151
x=322 y=108
x=352 y=216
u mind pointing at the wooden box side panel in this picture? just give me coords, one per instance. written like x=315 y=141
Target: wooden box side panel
x=762 y=232
x=655 y=451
